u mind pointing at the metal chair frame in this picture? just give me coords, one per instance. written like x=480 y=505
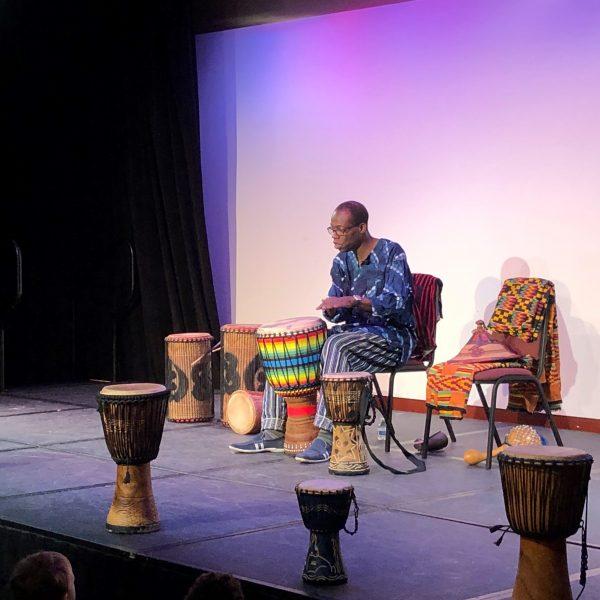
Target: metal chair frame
x=408 y=368
x=490 y=410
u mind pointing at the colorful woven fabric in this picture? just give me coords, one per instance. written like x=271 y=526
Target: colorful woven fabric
x=519 y=312
x=427 y=310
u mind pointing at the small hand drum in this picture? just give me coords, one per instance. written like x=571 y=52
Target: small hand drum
x=291 y=355
x=545 y=488
x=133 y=417
x=244 y=411
x=346 y=395
x=325 y=506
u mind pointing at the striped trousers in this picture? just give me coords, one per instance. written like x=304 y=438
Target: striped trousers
x=342 y=352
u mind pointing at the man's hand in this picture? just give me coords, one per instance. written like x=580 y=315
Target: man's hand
x=333 y=302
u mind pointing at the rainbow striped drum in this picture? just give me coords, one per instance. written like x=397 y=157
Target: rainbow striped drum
x=291 y=355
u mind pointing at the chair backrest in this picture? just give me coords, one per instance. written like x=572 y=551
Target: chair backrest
x=427 y=310
x=536 y=348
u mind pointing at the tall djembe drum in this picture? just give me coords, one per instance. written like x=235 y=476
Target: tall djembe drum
x=291 y=355
x=189 y=376
x=241 y=368
x=545 y=489
x=133 y=417
x=346 y=396
x=324 y=506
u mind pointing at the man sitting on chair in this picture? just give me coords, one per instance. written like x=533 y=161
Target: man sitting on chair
x=370 y=301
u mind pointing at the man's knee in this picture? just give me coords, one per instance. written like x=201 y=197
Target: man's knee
x=338 y=343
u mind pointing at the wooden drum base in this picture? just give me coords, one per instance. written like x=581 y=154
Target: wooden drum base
x=133 y=509
x=348 y=456
x=543 y=572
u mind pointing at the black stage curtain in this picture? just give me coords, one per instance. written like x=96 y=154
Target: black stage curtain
x=101 y=122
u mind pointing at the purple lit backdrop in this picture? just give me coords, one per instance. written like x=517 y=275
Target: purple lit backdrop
x=470 y=130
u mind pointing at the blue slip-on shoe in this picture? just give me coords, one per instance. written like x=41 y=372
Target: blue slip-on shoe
x=258 y=444
x=318 y=451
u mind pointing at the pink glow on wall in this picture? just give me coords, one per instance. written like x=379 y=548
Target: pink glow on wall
x=471 y=131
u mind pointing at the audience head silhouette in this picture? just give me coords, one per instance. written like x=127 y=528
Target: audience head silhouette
x=43 y=576
x=215 y=585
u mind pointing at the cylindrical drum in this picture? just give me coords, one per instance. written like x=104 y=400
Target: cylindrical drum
x=545 y=488
x=133 y=417
x=291 y=355
x=189 y=377
x=346 y=396
x=245 y=410
x=241 y=368
x=324 y=506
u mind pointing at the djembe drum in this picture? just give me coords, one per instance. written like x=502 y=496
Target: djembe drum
x=133 y=417
x=545 y=489
x=324 y=506
x=189 y=375
x=346 y=396
x=245 y=410
x=291 y=355
x=241 y=368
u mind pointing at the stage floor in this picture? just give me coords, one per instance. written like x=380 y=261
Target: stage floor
x=421 y=536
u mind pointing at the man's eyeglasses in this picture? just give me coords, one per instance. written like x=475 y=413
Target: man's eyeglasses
x=337 y=231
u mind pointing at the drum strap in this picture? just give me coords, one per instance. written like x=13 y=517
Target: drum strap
x=368 y=402
x=355 y=516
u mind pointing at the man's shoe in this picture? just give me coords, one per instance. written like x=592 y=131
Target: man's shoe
x=258 y=444
x=318 y=451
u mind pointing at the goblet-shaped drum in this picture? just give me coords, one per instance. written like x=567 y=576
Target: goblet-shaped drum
x=346 y=396
x=241 y=368
x=291 y=355
x=133 y=417
x=189 y=375
x=545 y=488
x=324 y=506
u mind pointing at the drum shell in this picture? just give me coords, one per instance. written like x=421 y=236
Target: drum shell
x=344 y=399
x=241 y=368
x=191 y=399
x=292 y=361
x=133 y=426
x=324 y=511
x=544 y=499
x=245 y=411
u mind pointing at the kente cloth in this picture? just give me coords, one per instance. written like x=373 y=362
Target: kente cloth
x=385 y=279
x=517 y=320
x=427 y=310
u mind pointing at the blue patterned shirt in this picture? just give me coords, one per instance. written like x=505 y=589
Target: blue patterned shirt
x=385 y=279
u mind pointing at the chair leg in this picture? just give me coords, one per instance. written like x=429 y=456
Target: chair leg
x=389 y=410
x=486 y=410
x=548 y=412
x=492 y=427
x=425 y=446
x=450 y=430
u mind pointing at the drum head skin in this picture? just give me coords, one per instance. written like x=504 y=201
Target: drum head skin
x=291 y=326
x=354 y=376
x=133 y=389
x=242 y=410
x=188 y=337
x=549 y=453
x=324 y=486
